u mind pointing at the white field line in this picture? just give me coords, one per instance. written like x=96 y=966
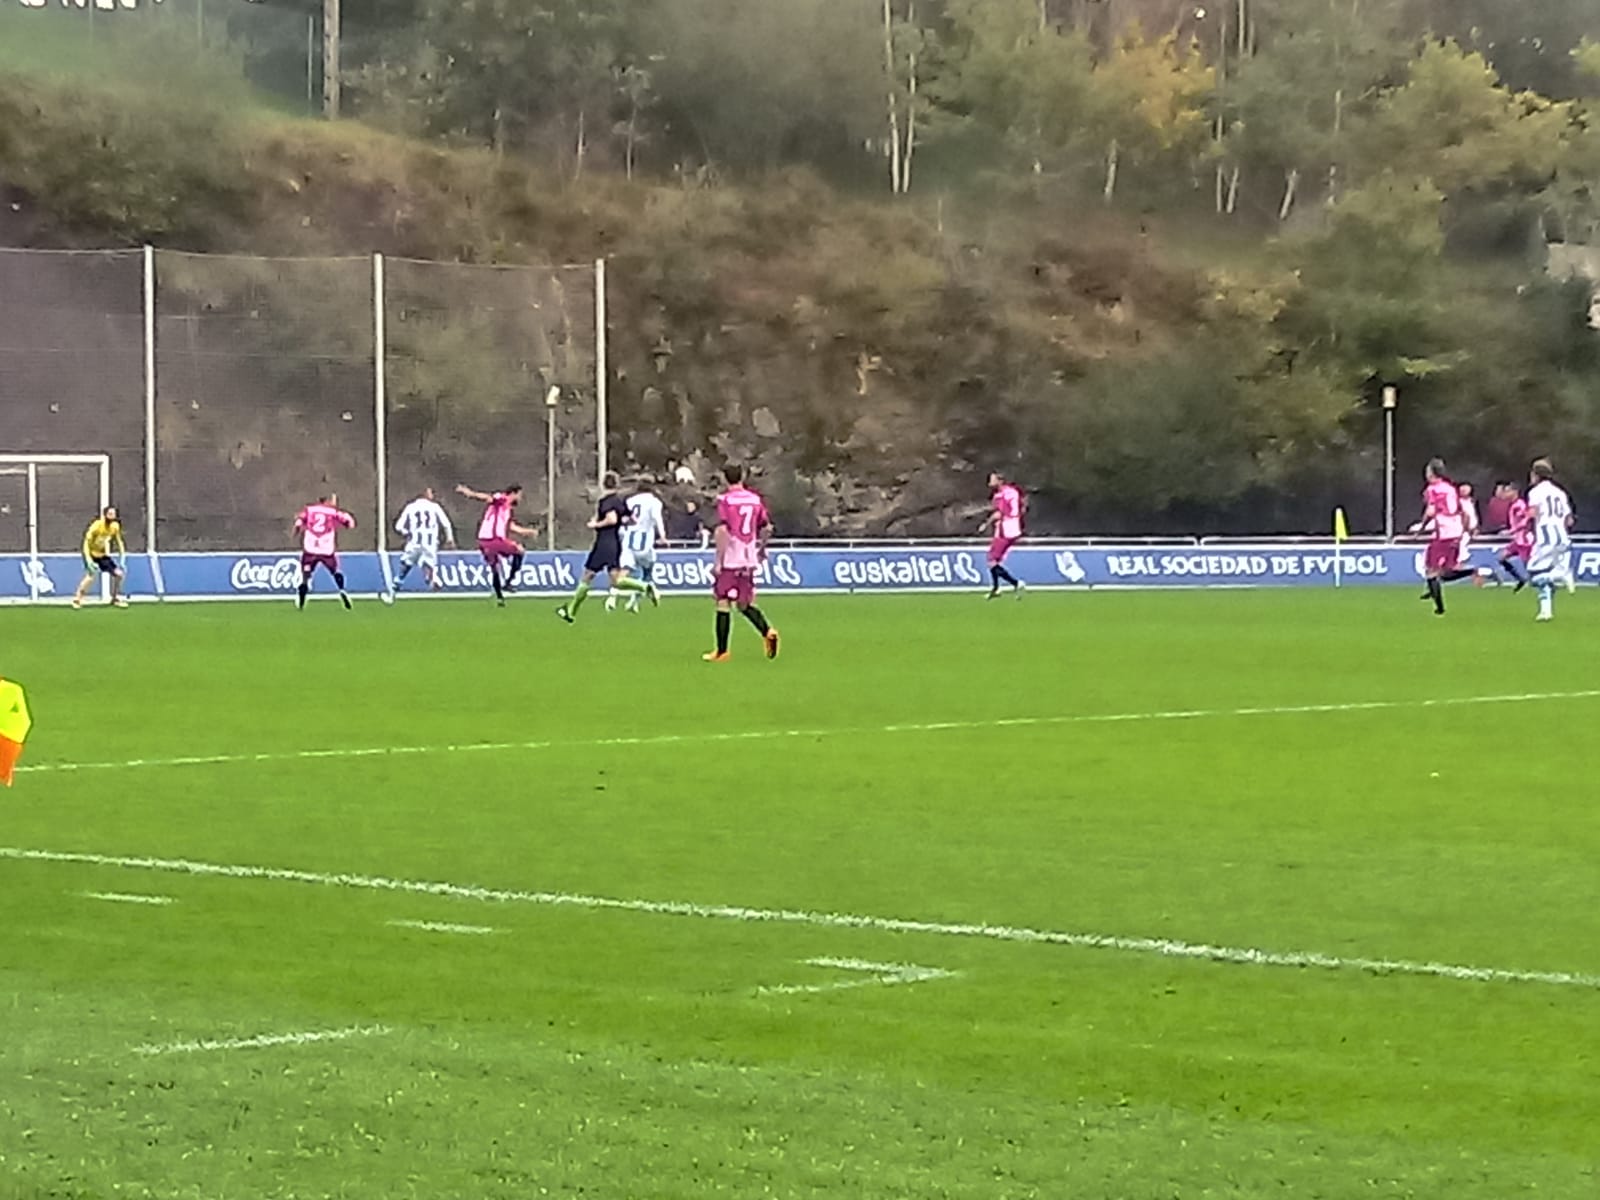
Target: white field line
x=1165 y=947
x=266 y=1039
x=443 y=927
x=886 y=974
x=127 y=898
x=764 y=735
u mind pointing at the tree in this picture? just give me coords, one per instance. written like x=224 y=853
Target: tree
x=1149 y=101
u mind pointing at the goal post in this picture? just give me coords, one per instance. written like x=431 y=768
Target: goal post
x=51 y=491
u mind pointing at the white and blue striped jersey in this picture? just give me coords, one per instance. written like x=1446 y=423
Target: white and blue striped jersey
x=420 y=523
x=649 y=523
x=1550 y=509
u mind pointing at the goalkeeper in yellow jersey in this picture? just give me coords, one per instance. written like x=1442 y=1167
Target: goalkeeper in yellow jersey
x=103 y=536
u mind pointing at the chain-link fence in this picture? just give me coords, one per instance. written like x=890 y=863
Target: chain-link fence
x=71 y=382
x=267 y=383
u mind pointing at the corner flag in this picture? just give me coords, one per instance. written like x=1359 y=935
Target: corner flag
x=14 y=726
x=1341 y=535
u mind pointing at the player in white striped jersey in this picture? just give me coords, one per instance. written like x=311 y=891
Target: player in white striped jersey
x=421 y=522
x=1550 y=563
x=648 y=525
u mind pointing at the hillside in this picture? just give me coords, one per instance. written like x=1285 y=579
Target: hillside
x=1143 y=366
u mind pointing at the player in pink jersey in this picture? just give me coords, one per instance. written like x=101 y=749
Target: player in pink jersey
x=1006 y=523
x=494 y=536
x=318 y=526
x=1519 y=528
x=743 y=528
x=1445 y=522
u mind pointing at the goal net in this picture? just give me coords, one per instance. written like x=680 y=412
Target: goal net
x=46 y=501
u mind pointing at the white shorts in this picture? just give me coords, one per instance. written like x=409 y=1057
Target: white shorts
x=421 y=556
x=1556 y=559
x=638 y=560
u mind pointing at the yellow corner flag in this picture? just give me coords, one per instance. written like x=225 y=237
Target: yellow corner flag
x=14 y=725
x=1341 y=528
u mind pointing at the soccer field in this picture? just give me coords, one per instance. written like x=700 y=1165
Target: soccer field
x=1114 y=895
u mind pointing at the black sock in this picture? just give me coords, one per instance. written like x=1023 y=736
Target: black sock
x=516 y=570
x=1459 y=573
x=305 y=586
x=755 y=617
x=405 y=569
x=338 y=580
x=997 y=573
x=1436 y=590
x=494 y=574
x=724 y=627
x=1515 y=569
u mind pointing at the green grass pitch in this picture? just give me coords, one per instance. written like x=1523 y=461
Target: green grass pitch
x=924 y=759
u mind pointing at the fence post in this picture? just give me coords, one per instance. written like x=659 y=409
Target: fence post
x=600 y=371
x=150 y=400
x=380 y=412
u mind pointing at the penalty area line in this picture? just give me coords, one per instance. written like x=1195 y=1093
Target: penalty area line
x=766 y=735
x=1161 y=947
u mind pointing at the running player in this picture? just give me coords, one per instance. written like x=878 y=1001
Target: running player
x=494 y=540
x=318 y=526
x=646 y=524
x=743 y=530
x=610 y=517
x=1441 y=516
x=1551 y=510
x=1519 y=527
x=420 y=522
x=103 y=535
x=1006 y=523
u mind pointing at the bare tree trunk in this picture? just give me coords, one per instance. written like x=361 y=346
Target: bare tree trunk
x=1291 y=185
x=627 y=154
x=1232 y=205
x=1244 y=25
x=1113 y=155
x=581 y=150
x=1338 y=127
x=1044 y=16
x=911 y=103
x=497 y=132
x=894 y=107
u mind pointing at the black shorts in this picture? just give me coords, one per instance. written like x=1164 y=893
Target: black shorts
x=604 y=558
x=106 y=565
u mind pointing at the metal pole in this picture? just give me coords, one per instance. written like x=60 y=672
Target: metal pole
x=600 y=372
x=550 y=398
x=311 y=62
x=33 y=531
x=380 y=410
x=1390 y=399
x=149 y=399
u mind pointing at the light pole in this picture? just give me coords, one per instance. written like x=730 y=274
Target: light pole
x=1391 y=398
x=550 y=398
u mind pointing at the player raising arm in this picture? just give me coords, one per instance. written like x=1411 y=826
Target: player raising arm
x=421 y=522
x=103 y=536
x=494 y=540
x=743 y=531
x=318 y=526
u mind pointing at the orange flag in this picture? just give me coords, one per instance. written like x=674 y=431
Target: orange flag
x=14 y=726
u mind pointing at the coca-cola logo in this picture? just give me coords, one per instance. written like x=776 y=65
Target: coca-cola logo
x=279 y=576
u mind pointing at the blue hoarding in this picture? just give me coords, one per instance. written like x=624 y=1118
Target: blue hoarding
x=813 y=569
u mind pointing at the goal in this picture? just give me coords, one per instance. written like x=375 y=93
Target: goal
x=45 y=502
